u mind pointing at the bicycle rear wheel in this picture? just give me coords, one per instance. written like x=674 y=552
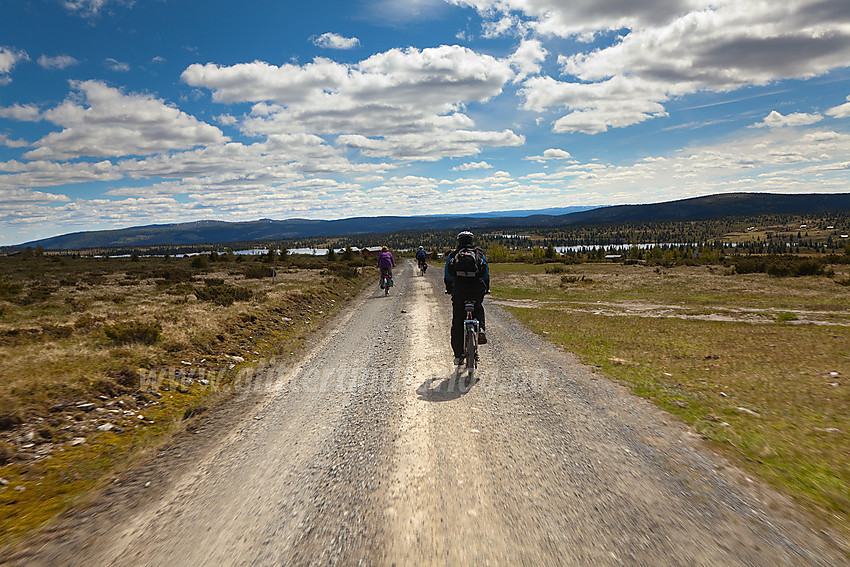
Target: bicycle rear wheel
x=471 y=350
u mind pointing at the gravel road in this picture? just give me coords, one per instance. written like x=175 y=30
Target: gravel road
x=373 y=451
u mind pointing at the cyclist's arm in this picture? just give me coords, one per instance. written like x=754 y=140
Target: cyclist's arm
x=447 y=277
x=486 y=276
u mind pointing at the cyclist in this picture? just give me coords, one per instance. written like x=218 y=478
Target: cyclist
x=386 y=263
x=421 y=256
x=467 y=278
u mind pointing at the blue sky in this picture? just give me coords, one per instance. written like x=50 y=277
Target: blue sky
x=117 y=113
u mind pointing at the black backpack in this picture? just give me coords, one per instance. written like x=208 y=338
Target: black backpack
x=466 y=263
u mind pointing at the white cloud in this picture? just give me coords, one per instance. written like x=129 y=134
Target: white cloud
x=57 y=62
x=777 y=120
x=89 y=8
x=472 y=165
x=527 y=58
x=840 y=111
x=671 y=48
x=550 y=154
x=335 y=41
x=581 y=18
x=10 y=143
x=8 y=59
x=21 y=112
x=116 y=124
x=115 y=65
x=403 y=103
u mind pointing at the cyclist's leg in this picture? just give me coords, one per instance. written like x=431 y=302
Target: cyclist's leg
x=479 y=312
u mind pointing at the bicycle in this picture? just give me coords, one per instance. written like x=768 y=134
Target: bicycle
x=422 y=267
x=386 y=283
x=470 y=339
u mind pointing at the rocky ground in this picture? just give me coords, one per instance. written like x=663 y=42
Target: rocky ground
x=375 y=450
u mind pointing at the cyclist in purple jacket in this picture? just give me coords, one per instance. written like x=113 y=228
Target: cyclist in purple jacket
x=386 y=263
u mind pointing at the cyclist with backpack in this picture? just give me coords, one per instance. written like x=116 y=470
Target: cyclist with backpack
x=467 y=278
x=386 y=263
x=421 y=256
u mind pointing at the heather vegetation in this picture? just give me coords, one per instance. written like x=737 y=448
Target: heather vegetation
x=755 y=363
x=79 y=336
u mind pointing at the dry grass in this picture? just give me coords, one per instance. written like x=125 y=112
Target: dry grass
x=55 y=353
x=722 y=353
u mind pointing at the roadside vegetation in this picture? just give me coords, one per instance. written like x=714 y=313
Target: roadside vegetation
x=756 y=359
x=79 y=337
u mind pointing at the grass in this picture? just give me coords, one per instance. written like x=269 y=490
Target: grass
x=96 y=325
x=732 y=355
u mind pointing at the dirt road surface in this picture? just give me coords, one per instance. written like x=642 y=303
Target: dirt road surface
x=373 y=451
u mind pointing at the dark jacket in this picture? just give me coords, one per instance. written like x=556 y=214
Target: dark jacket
x=467 y=288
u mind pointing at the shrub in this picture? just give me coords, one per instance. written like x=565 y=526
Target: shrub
x=257 y=271
x=37 y=294
x=223 y=294
x=780 y=266
x=555 y=268
x=568 y=279
x=144 y=332
x=200 y=262
x=343 y=270
x=173 y=275
x=8 y=290
x=209 y=282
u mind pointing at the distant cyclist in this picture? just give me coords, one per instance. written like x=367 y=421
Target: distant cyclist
x=386 y=262
x=467 y=278
x=421 y=256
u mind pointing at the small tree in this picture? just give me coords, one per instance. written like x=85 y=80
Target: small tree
x=347 y=254
x=331 y=254
x=200 y=262
x=538 y=254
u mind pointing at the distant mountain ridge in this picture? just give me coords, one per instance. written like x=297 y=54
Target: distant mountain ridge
x=214 y=231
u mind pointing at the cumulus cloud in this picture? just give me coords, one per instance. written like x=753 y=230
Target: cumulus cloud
x=472 y=165
x=669 y=48
x=403 y=103
x=550 y=154
x=840 y=111
x=8 y=59
x=57 y=62
x=581 y=18
x=116 y=65
x=335 y=41
x=21 y=112
x=112 y=123
x=10 y=143
x=777 y=120
x=527 y=58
